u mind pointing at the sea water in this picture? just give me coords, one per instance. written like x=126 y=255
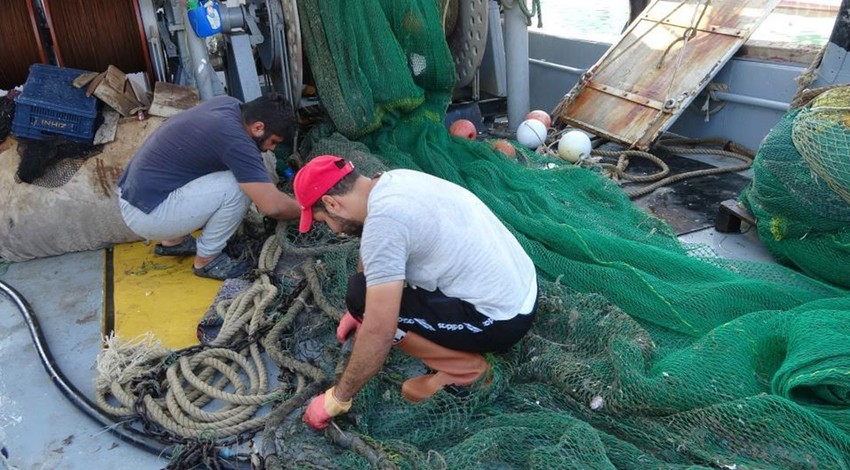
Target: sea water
x=605 y=20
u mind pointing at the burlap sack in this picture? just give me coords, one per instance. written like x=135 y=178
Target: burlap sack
x=80 y=215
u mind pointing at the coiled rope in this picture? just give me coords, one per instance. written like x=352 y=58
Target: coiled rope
x=187 y=373
x=677 y=146
x=170 y=391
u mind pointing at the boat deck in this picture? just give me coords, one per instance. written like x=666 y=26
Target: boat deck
x=39 y=427
x=45 y=430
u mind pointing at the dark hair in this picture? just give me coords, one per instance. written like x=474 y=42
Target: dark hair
x=274 y=111
x=342 y=186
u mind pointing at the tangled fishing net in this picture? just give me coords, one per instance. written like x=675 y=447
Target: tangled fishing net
x=800 y=191
x=645 y=354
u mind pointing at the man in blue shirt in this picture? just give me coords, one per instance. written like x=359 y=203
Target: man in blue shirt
x=202 y=169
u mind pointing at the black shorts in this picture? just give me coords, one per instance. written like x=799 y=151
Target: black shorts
x=447 y=321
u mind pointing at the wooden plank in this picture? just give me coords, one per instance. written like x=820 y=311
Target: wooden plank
x=779 y=51
x=659 y=65
x=84 y=79
x=94 y=83
x=115 y=78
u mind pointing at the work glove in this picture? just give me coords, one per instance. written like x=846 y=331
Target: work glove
x=323 y=408
x=348 y=324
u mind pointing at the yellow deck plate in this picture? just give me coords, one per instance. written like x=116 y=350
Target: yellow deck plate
x=144 y=293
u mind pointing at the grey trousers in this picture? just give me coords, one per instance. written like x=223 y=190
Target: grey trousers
x=214 y=202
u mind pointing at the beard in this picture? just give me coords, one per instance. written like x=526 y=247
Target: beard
x=260 y=140
x=348 y=227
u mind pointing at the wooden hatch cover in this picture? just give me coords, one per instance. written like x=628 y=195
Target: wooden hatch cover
x=656 y=69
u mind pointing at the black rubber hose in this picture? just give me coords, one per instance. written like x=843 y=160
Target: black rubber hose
x=79 y=400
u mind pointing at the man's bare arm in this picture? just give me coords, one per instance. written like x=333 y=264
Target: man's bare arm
x=271 y=201
x=374 y=338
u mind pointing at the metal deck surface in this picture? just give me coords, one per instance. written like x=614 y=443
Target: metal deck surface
x=39 y=427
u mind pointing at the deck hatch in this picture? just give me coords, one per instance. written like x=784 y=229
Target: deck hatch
x=658 y=66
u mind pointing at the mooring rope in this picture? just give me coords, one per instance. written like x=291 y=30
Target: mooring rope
x=233 y=359
x=169 y=391
x=675 y=146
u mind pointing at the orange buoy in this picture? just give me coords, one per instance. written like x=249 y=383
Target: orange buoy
x=541 y=116
x=463 y=128
x=505 y=147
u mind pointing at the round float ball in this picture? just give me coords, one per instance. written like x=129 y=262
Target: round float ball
x=463 y=128
x=505 y=147
x=541 y=116
x=531 y=133
x=574 y=145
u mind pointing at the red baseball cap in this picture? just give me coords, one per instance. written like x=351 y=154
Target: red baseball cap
x=313 y=180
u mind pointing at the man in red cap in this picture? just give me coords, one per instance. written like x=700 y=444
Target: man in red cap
x=443 y=280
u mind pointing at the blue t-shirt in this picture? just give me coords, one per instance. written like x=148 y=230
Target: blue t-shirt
x=205 y=139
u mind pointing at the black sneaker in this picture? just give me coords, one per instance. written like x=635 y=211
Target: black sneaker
x=184 y=248
x=223 y=267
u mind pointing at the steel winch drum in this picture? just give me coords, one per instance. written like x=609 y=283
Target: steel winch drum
x=279 y=24
x=18 y=21
x=468 y=38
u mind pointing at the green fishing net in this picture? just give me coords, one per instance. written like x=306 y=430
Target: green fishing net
x=646 y=353
x=800 y=192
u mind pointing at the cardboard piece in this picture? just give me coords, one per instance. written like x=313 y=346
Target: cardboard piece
x=107 y=131
x=170 y=99
x=115 y=91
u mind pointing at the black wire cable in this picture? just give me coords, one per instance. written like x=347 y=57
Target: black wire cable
x=79 y=400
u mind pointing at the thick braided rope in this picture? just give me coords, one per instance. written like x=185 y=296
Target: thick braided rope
x=187 y=381
x=676 y=146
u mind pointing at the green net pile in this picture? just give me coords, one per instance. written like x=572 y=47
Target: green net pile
x=801 y=189
x=646 y=353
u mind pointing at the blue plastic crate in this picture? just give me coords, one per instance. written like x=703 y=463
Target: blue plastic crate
x=32 y=133
x=50 y=104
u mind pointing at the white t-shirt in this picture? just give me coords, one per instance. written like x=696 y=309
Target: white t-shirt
x=434 y=234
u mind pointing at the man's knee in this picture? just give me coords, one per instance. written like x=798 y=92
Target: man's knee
x=233 y=194
x=355 y=296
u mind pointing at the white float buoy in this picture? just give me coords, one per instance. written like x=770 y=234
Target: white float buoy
x=531 y=133
x=574 y=146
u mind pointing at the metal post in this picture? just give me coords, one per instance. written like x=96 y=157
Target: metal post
x=516 y=58
x=201 y=68
x=751 y=101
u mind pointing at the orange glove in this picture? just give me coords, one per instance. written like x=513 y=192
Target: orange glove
x=347 y=324
x=323 y=408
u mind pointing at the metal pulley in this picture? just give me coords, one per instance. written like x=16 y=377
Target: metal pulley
x=280 y=52
x=465 y=24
